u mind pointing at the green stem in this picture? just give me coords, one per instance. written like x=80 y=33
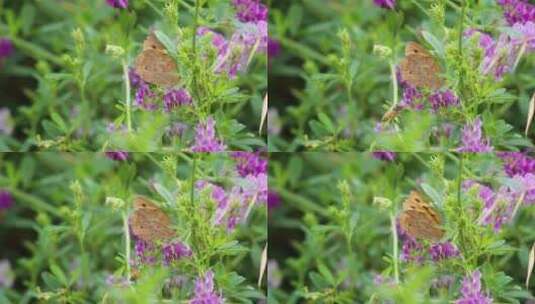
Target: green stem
x=395 y=253
x=194 y=50
x=394 y=83
x=126 y=232
x=193 y=168
x=127 y=96
x=461 y=29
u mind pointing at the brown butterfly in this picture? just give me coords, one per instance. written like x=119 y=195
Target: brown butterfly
x=154 y=65
x=419 y=68
x=419 y=219
x=148 y=222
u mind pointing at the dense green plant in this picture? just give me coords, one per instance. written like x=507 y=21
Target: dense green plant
x=335 y=237
x=67 y=236
x=335 y=77
x=66 y=81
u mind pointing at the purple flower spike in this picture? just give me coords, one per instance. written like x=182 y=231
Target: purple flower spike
x=444 y=99
x=517 y=163
x=174 y=98
x=249 y=163
x=117 y=155
x=473 y=140
x=384 y=155
x=118 y=3
x=517 y=11
x=471 y=290
x=442 y=251
x=388 y=4
x=6 y=200
x=205 y=138
x=274 y=48
x=175 y=251
x=6 y=48
x=204 y=291
x=273 y=199
x=250 y=10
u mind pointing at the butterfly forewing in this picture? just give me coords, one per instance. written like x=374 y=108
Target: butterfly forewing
x=419 y=219
x=149 y=223
x=154 y=65
x=419 y=68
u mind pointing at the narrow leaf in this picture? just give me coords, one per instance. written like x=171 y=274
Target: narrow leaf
x=263 y=265
x=264 y=114
x=531 y=112
x=531 y=263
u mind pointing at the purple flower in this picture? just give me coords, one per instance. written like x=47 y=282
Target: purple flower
x=145 y=252
x=410 y=95
x=443 y=281
x=118 y=3
x=517 y=11
x=471 y=290
x=177 y=129
x=444 y=99
x=388 y=4
x=117 y=155
x=384 y=155
x=175 y=251
x=6 y=200
x=174 y=98
x=6 y=48
x=443 y=130
x=204 y=291
x=526 y=35
x=498 y=56
x=517 y=163
x=133 y=76
x=473 y=140
x=249 y=163
x=255 y=186
x=6 y=122
x=205 y=138
x=250 y=10
x=442 y=251
x=273 y=199
x=274 y=48
x=412 y=251
x=497 y=206
x=143 y=92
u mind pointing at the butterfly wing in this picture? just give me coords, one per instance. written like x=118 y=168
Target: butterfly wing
x=152 y=43
x=419 y=68
x=413 y=48
x=157 y=68
x=419 y=226
x=421 y=72
x=149 y=223
x=419 y=219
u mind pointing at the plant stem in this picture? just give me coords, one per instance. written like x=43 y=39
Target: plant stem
x=394 y=83
x=127 y=96
x=194 y=51
x=395 y=254
x=461 y=29
x=126 y=232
